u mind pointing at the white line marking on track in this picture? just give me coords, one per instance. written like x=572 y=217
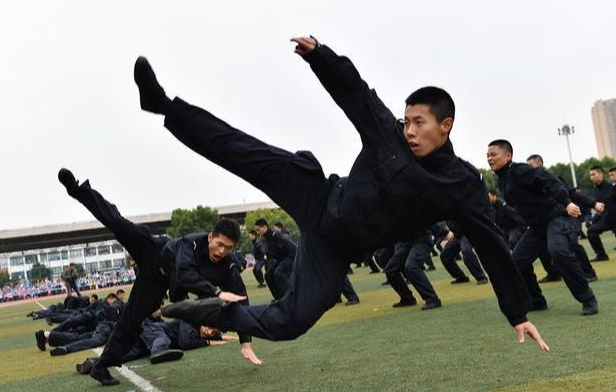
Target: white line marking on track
x=139 y=381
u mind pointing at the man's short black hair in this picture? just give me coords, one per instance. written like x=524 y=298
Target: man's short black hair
x=597 y=168
x=253 y=232
x=535 y=157
x=278 y=224
x=502 y=143
x=111 y=295
x=120 y=291
x=440 y=102
x=613 y=169
x=71 y=264
x=94 y=296
x=493 y=192
x=229 y=228
x=261 y=222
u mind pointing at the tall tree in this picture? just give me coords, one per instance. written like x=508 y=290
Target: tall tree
x=39 y=271
x=199 y=219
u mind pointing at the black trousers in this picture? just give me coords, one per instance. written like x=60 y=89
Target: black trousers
x=149 y=287
x=294 y=181
x=277 y=277
x=409 y=258
x=514 y=235
x=70 y=287
x=81 y=341
x=448 y=258
x=606 y=222
x=257 y=271
x=557 y=237
x=348 y=291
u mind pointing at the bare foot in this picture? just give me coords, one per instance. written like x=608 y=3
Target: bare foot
x=249 y=355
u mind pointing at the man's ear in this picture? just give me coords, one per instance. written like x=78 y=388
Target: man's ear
x=446 y=125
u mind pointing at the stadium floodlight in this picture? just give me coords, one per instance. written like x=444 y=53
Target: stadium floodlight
x=565 y=131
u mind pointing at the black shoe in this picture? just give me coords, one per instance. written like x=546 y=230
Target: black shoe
x=31 y=314
x=600 y=258
x=549 y=278
x=261 y=285
x=152 y=96
x=60 y=350
x=461 y=280
x=86 y=366
x=48 y=320
x=431 y=268
x=352 y=302
x=386 y=283
x=538 y=307
x=68 y=180
x=591 y=278
x=483 y=280
x=374 y=272
x=166 y=356
x=431 y=304
x=102 y=375
x=590 y=307
x=339 y=301
x=405 y=302
x=40 y=340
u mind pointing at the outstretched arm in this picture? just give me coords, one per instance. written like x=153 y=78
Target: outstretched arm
x=342 y=81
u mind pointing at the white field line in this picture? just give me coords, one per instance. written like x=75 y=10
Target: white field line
x=139 y=381
x=133 y=377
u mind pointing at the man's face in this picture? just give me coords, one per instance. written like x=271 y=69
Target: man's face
x=219 y=246
x=261 y=230
x=92 y=300
x=534 y=163
x=612 y=177
x=595 y=176
x=251 y=237
x=111 y=301
x=423 y=132
x=120 y=296
x=277 y=229
x=208 y=332
x=498 y=157
x=493 y=198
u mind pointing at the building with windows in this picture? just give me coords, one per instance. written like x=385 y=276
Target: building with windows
x=88 y=244
x=604 y=123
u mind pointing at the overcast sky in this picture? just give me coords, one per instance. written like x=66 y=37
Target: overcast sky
x=516 y=70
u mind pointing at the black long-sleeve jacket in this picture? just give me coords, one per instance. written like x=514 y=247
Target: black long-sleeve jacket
x=604 y=193
x=537 y=195
x=390 y=194
x=506 y=217
x=279 y=247
x=192 y=271
x=259 y=250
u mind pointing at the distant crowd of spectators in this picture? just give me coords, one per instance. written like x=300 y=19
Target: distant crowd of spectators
x=47 y=287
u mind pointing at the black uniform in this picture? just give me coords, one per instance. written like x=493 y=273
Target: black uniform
x=510 y=222
x=460 y=243
x=259 y=250
x=604 y=193
x=540 y=199
x=74 y=341
x=181 y=265
x=409 y=257
x=280 y=253
x=388 y=196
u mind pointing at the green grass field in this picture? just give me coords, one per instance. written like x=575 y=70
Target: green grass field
x=466 y=345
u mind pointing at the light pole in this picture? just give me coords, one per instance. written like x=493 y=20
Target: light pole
x=565 y=131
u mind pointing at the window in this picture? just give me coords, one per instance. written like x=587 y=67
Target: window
x=64 y=254
x=43 y=257
x=104 y=250
x=118 y=263
x=76 y=253
x=17 y=261
x=91 y=266
x=31 y=259
x=105 y=264
x=55 y=256
x=18 y=275
x=90 y=252
x=117 y=248
x=56 y=271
